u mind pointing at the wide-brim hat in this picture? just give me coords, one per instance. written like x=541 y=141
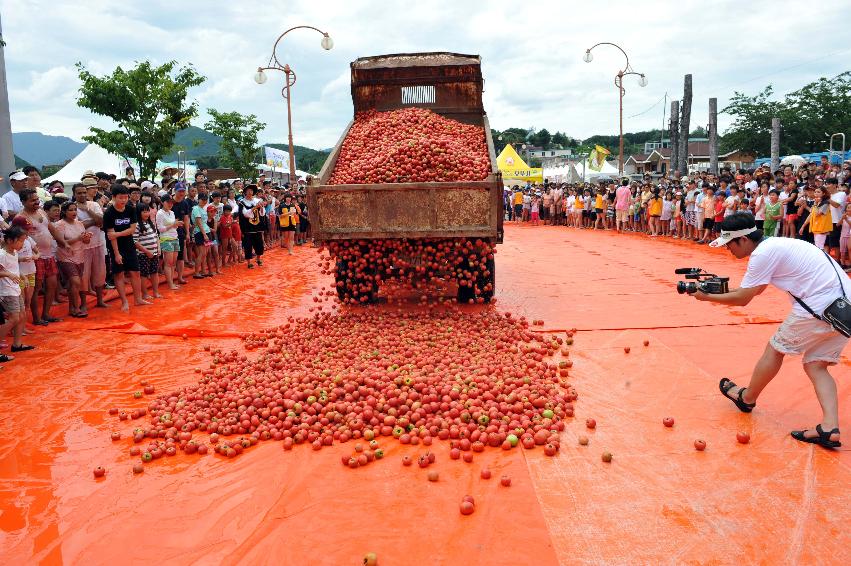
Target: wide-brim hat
x=89 y=181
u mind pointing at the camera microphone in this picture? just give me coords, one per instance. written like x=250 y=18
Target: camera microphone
x=686 y=270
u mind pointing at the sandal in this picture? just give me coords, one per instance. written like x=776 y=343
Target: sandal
x=22 y=348
x=40 y=323
x=51 y=319
x=725 y=385
x=5 y=358
x=823 y=438
x=198 y=276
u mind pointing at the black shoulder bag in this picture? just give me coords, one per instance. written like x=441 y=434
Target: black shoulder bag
x=838 y=313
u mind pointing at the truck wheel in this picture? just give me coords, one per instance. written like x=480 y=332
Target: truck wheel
x=487 y=284
x=484 y=285
x=349 y=288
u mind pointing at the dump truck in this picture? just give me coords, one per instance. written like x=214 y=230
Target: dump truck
x=449 y=84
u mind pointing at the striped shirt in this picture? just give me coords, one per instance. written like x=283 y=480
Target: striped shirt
x=150 y=240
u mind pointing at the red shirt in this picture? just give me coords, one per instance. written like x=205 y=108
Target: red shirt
x=719 y=211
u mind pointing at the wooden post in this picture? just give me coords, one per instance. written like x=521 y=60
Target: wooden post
x=713 y=136
x=775 y=144
x=685 y=119
x=674 y=135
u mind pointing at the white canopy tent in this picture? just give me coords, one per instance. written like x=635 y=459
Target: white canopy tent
x=608 y=170
x=92 y=158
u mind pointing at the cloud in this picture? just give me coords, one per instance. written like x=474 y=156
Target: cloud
x=531 y=55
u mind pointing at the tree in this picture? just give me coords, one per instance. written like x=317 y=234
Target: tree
x=699 y=132
x=239 y=147
x=148 y=103
x=823 y=106
x=541 y=138
x=560 y=140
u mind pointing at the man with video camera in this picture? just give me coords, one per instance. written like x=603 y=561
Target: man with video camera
x=817 y=326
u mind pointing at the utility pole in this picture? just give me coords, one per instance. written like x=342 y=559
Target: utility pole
x=7 y=155
x=685 y=120
x=674 y=135
x=775 y=144
x=713 y=136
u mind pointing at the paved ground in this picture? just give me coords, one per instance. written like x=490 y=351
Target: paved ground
x=659 y=502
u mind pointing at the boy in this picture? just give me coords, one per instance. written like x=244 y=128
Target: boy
x=119 y=222
x=11 y=297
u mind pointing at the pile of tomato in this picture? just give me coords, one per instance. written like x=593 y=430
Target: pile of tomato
x=361 y=267
x=478 y=379
x=410 y=145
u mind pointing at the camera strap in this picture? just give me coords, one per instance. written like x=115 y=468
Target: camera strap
x=841 y=288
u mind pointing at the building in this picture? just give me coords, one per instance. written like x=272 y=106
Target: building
x=658 y=160
x=547 y=153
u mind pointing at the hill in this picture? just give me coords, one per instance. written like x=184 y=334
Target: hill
x=21 y=163
x=40 y=149
x=196 y=142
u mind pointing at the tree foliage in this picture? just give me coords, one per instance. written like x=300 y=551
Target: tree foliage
x=148 y=104
x=823 y=106
x=238 y=148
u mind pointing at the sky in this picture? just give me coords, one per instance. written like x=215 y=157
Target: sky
x=531 y=55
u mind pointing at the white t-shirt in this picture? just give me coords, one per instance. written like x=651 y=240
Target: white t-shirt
x=26 y=267
x=11 y=203
x=751 y=186
x=165 y=218
x=9 y=262
x=836 y=212
x=798 y=267
x=83 y=215
x=571 y=201
x=733 y=202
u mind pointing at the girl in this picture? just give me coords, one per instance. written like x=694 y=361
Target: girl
x=536 y=210
x=147 y=242
x=759 y=205
x=667 y=212
x=71 y=256
x=654 y=211
x=226 y=236
x=213 y=214
x=677 y=216
x=287 y=218
x=819 y=220
x=169 y=244
x=844 y=234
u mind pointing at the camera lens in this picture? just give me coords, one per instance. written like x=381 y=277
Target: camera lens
x=683 y=287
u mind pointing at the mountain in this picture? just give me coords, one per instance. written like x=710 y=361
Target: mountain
x=196 y=142
x=20 y=163
x=40 y=149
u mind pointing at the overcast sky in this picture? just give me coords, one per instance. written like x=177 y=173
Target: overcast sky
x=531 y=55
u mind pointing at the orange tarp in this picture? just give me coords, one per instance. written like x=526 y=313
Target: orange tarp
x=659 y=501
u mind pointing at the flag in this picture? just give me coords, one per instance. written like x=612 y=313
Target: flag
x=597 y=158
x=277 y=157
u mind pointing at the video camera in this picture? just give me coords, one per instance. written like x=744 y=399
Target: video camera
x=706 y=282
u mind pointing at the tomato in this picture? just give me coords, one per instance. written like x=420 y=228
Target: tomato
x=743 y=437
x=699 y=445
x=668 y=422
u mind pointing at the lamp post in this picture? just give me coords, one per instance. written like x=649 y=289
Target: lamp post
x=627 y=70
x=275 y=65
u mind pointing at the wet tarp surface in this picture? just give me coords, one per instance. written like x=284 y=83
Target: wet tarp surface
x=658 y=502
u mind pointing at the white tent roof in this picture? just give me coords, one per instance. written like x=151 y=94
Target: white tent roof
x=608 y=170
x=92 y=158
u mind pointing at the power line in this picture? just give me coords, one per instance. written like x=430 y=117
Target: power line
x=651 y=108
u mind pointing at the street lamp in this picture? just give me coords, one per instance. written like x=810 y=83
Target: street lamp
x=275 y=65
x=627 y=70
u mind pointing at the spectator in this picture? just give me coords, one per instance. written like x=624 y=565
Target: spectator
x=182 y=209
x=288 y=217
x=90 y=214
x=820 y=220
x=167 y=225
x=251 y=213
x=773 y=213
x=10 y=203
x=47 y=271
x=71 y=257
x=119 y=222
x=27 y=257
x=201 y=236
x=11 y=297
x=147 y=242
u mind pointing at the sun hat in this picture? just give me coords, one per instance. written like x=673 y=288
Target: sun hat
x=726 y=237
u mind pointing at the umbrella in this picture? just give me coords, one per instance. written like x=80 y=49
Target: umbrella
x=793 y=160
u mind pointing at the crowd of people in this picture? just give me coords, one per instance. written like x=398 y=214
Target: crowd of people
x=809 y=203
x=65 y=245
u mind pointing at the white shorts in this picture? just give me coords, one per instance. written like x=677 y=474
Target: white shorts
x=698 y=219
x=804 y=334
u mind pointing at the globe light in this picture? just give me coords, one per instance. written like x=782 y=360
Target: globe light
x=327 y=42
x=260 y=77
x=588 y=57
x=642 y=81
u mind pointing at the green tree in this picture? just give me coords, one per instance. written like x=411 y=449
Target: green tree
x=239 y=147
x=542 y=138
x=148 y=103
x=560 y=141
x=823 y=106
x=698 y=132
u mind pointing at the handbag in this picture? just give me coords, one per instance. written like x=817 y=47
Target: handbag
x=838 y=313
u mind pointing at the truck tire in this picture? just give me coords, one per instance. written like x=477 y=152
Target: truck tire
x=349 y=287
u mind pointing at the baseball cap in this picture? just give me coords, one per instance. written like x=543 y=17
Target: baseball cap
x=17 y=176
x=146 y=185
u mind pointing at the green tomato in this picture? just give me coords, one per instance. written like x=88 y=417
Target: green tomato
x=548 y=414
x=379 y=454
x=512 y=439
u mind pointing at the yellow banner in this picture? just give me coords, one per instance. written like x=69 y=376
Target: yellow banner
x=597 y=158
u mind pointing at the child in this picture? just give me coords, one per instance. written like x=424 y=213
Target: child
x=169 y=245
x=226 y=235
x=819 y=220
x=677 y=215
x=667 y=212
x=147 y=242
x=214 y=262
x=237 y=237
x=720 y=209
x=11 y=297
x=201 y=237
x=708 y=205
x=26 y=262
x=536 y=208
x=845 y=232
x=654 y=212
